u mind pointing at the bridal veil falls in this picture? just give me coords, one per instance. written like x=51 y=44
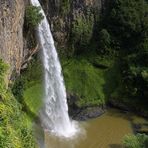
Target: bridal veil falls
x=54 y=114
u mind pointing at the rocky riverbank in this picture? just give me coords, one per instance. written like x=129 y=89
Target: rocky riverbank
x=85 y=112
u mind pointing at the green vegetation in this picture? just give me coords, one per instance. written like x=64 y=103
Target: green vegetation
x=92 y=73
x=32 y=16
x=90 y=80
x=65 y=7
x=28 y=87
x=85 y=81
x=15 y=125
x=126 y=22
x=19 y=107
x=136 y=141
x=82 y=32
x=3 y=69
x=33 y=92
x=33 y=97
x=104 y=41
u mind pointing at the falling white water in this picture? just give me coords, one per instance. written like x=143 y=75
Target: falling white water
x=55 y=113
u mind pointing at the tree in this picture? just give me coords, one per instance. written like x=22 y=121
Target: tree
x=33 y=16
x=104 y=42
x=127 y=20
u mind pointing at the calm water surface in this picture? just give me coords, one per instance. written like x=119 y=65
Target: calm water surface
x=106 y=131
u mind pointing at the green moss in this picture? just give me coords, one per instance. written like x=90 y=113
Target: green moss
x=93 y=78
x=28 y=87
x=85 y=81
x=82 y=31
x=112 y=79
x=33 y=90
x=33 y=16
x=65 y=7
x=33 y=97
x=15 y=125
x=135 y=141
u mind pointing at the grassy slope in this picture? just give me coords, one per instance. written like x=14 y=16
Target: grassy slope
x=96 y=85
x=33 y=97
x=91 y=84
x=33 y=92
x=15 y=125
x=85 y=81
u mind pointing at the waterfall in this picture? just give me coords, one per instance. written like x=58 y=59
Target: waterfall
x=55 y=112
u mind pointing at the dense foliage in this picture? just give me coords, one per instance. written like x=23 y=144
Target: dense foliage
x=127 y=21
x=85 y=81
x=32 y=16
x=136 y=141
x=27 y=88
x=15 y=125
x=127 y=24
x=65 y=7
x=120 y=35
x=82 y=32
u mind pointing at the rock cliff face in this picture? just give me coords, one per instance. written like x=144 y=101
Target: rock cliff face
x=11 y=33
x=69 y=16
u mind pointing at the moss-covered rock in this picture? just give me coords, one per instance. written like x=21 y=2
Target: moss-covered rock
x=28 y=87
x=85 y=81
x=82 y=30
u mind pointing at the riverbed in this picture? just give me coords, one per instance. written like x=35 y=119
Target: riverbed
x=106 y=131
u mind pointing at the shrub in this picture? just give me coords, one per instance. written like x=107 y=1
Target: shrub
x=64 y=7
x=15 y=126
x=136 y=141
x=127 y=21
x=82 y=31
x=104 y=42
x=3 y=68
x=33 y=16
x=85 y=81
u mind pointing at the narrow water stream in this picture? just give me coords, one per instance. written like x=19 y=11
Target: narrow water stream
x=106 y=131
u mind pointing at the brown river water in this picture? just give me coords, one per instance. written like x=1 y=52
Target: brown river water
x=106 y=131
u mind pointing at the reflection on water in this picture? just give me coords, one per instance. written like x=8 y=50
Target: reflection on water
x=106 y=131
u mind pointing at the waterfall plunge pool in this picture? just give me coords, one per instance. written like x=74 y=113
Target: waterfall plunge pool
x=106 y=131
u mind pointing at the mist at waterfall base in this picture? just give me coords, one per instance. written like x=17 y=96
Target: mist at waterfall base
x=54 y=115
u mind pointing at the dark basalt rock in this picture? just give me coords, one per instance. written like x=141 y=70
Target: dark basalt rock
x=126 y=108
x=83 y=113
x=115 y=104
x=101 y=66
x=88 y=113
